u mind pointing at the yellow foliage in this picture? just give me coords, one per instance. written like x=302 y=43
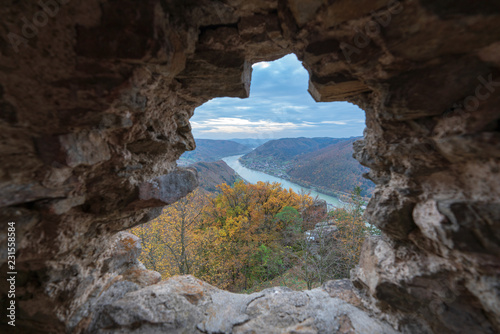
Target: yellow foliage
x=216 y=237
x=241 y=218
x=169 y=241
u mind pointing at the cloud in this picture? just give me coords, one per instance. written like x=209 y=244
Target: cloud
x=261 y=65
x=278 y=104
x=334 y=122
x=239 y=125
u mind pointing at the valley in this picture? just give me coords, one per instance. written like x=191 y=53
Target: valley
x=208 y=150
x=254 y=176
x=323 y=164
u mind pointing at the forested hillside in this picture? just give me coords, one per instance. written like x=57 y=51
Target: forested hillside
x=212 y=150
x=211 y=174
x=324 y=163
x=250 y=142
x=332 y=168
x=287 y=148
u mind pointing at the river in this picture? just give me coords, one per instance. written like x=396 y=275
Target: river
x=254 y=176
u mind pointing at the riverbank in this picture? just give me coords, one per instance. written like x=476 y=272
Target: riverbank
x=280 y=172
x=253 y=176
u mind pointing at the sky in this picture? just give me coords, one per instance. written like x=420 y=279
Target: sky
x=279 y=106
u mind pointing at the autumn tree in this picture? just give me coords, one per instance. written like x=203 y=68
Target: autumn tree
x=170 y=241
x=153 y=254
x=332 y=249
x=352 y=231
x=291 y=221
x=241 y=230
x=232 y=239
x=315 y=255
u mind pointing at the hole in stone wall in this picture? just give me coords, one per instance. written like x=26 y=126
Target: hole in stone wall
x=280 y=107
x=268 y=234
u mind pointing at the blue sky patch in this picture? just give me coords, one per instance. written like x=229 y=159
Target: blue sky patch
x=279 y=106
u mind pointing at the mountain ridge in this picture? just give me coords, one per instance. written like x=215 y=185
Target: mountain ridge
x=211 y=174
x=209 y=150
x=285 y=149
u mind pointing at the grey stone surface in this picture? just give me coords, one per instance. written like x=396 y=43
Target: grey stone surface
x=184 y=304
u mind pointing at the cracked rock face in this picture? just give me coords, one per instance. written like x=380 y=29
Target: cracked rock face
x=184 y=304
x=95 y=102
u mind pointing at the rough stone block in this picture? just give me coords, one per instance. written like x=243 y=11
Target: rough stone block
x=391 y=212
x=184 y=304
x=165 y=189
x=484 y=145
x=74 y=149
x=303 y=11
x=340 y=91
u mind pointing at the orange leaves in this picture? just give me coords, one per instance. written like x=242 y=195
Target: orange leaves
x=216 y=237
x=241 y=218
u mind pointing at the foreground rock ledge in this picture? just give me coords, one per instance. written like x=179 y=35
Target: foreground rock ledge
x=185 y=304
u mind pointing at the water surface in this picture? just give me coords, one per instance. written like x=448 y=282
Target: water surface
x=254 y=176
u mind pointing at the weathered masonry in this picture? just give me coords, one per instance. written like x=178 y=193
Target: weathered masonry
x=95 y=101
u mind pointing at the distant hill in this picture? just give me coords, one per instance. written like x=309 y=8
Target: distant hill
x=251 y=142
x=332 y=167
x=287 y=148
x=211 y=174
x=212 y=150
x=324 y=163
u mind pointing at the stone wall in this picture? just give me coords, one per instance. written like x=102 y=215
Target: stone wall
x=95 y=101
